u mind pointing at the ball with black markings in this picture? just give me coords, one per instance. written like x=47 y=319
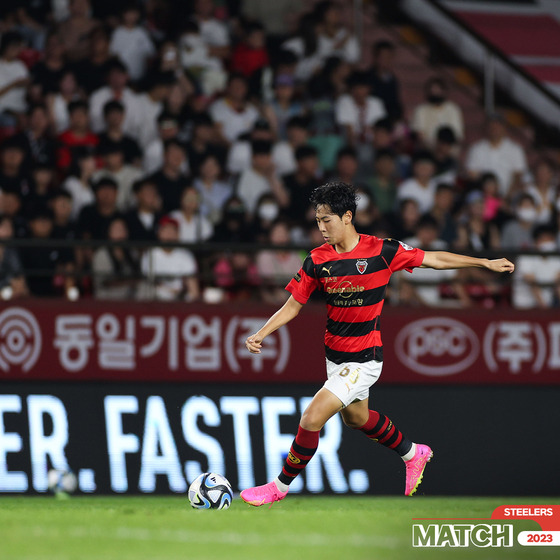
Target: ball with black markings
x=210 y=491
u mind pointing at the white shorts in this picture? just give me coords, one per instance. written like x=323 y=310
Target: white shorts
x=351 y=381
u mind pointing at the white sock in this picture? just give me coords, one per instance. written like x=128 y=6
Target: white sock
x=280 y=485
x=410 y=454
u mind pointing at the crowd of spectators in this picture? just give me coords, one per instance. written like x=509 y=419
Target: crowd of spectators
x=212 y=121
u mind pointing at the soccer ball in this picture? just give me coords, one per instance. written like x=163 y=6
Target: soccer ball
x=60 y=481
x=210 y=491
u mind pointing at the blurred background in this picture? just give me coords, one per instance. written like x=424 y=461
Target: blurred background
x=156 y=160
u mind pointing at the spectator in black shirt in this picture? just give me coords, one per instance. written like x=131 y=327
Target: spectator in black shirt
x=301 y=183
x=170 y=179
x=12 y=281
x=91 y=72
x=203 y=143
x=95 y=218
x=36 y=140
x=142 y=221
x=41 y=186
x=11 y=206
x=12 y=170
x=384 y=83
x=48 y=269
x=232 y=228
x=61 y=205
x=46 y=74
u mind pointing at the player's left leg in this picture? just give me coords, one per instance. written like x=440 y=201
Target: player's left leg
x=377 y=427
x=323 y=406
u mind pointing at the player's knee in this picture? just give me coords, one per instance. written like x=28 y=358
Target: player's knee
x=354 y=421
x=311 y=420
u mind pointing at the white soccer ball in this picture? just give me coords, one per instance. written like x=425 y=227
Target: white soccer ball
x=62 y=481
x=210 y=491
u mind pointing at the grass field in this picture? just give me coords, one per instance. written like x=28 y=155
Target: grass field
x=306 y=528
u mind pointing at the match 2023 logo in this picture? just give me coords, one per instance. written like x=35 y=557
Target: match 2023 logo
x=489 y=532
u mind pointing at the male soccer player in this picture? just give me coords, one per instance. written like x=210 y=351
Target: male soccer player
x=352 y=271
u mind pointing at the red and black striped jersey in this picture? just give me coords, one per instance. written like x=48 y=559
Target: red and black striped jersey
x=353 y=285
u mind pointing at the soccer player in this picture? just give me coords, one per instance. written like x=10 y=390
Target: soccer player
x=352 y=272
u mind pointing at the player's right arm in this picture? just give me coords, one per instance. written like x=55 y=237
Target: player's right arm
x=284 y=315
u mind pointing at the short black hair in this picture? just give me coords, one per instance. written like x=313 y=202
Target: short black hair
x=77 y=105
x=111 y=106
x=116 y=64
x=60 y=193
x=346 y=151
x=105 y=182
x=544 y=229
x=427 y=221
x=261 y=147
x=303 y=152
x=339 y=197
x=137 y=186
x=10 y=38
x=384 y=153
x=445 y=187
x=173 y=142
x=358 y=78
x=298 y=122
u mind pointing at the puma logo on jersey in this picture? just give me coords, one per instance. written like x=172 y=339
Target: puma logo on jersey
x=327 y=270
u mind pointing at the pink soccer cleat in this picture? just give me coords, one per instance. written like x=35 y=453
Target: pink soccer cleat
x=415 y=468
x=265 y=494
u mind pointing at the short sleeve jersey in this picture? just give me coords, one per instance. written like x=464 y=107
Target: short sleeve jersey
x=353 y=285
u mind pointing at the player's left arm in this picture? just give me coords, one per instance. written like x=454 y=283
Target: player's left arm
x=442 y=260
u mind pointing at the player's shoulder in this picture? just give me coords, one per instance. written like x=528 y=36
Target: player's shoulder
x=322 y=253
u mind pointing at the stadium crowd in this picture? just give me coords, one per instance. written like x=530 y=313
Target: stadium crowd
x=209 y=121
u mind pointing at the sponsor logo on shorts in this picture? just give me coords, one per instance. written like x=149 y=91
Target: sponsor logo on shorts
x=297 y=277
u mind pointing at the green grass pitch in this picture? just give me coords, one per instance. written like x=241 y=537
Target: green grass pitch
x=306 y=528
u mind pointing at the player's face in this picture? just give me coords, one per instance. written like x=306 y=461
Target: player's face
x=331 y=226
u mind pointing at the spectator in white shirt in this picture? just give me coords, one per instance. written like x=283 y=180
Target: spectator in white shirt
x=421 y=187
x=499 y=155
x=172 y=269
x=261 y=178
x=334 y=38
x=196 y=58
x=13 y=79
x=131 y=42
x=193 y=227
x=544 y=189
x=114 y=167
x=239 y=155
x=79 y=181
x=305 y=46
x=168 y=128
x=233 y=115
x=149 y=106
x=213 y=190
x=423 y=287
x=436 y=112
x=536 y=282
x=358 y=110
x=116 y=89
x=214 y=32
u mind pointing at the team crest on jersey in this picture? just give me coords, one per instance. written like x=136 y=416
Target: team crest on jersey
x=361 y=265
x=405 y=246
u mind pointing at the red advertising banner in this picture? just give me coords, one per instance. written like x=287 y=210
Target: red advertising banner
x=102 y=341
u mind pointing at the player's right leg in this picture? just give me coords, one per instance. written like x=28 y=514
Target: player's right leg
x=377 y=427
x=323 y=406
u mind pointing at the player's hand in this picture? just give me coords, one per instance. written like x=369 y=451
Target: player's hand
x=254 y=343
x=501 y=265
